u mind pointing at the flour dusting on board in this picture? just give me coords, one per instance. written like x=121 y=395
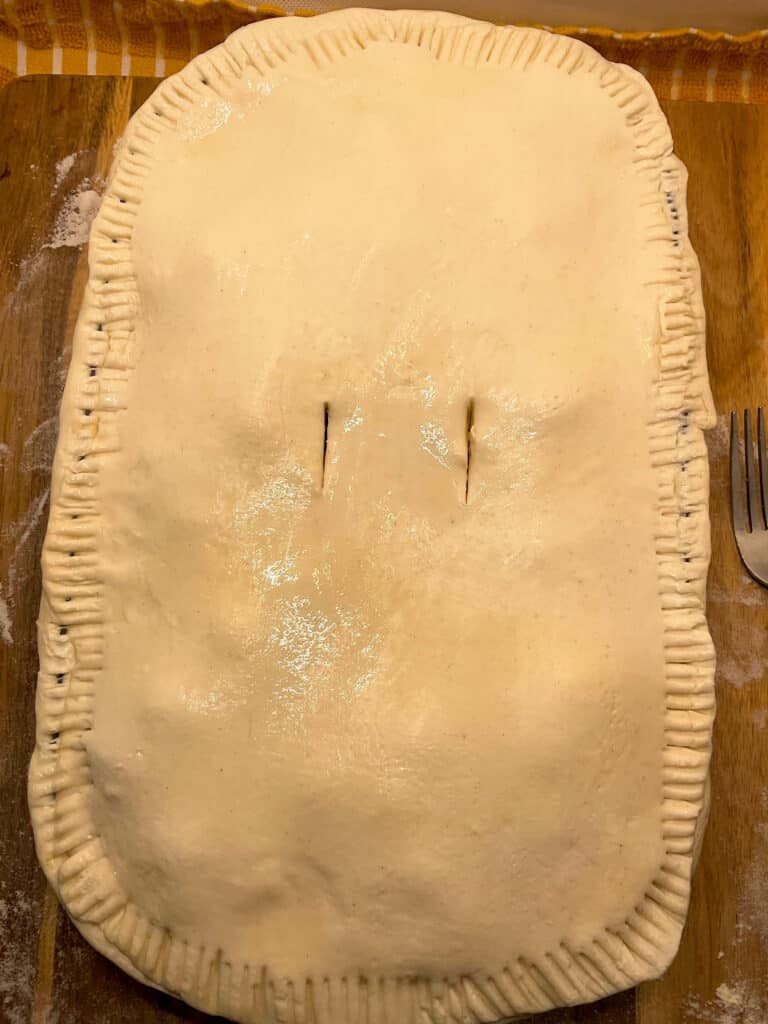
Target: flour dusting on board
x=752 y=905
x=16 y=539
x=63 y=167
x=6 y=634
x=718 y=439
x=744 y=659
x=75 y=217
x=39 y=447
x=70 y=230
x=16 y=967
x=752 y=900
x=740 y=668
x=745 y=591
x=734 y=1003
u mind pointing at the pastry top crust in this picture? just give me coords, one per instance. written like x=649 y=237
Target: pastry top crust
x=375 y=677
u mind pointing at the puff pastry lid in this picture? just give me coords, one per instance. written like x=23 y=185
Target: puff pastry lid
x=375 y=680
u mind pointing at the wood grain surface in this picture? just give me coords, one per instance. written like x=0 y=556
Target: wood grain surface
x=56 y=141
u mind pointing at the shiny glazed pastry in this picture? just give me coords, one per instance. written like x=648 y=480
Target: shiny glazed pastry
x=375 y=681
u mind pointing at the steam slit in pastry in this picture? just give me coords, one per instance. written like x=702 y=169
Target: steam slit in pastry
x=470 y=426
x=325 y=443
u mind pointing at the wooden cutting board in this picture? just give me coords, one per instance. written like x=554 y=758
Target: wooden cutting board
x=56 y=141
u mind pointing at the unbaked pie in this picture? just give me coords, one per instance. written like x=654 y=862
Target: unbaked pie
x=375 y=679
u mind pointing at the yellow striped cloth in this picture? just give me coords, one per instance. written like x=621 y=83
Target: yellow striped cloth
x=157 y=37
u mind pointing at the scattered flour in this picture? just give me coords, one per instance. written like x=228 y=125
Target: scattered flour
x=729 y=996
x=307 y=643
x=739 y=668
x=5 y=454
x=434 y=442
x=746 y=592
x=718 y=439
x=752 y=903
x=288 y=491
x=29 y=272
x=75 y=217
x=429 y=392
x=39 y=447
x=71 y=230
x=760 y=717
x=15 y=538
x=280 y=572
x=304 y=640
x=736 y=1003
x=354 y=419
x=752 y=899
x=739 y=1005
x=63 y=167
x=6 y=634
x=16 y=968
x=20 y=532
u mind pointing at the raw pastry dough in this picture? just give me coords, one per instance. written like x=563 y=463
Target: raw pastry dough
x=375 y=681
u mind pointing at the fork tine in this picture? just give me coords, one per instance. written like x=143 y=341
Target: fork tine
x=763 y=460
x=737 y=482
x=753 y=483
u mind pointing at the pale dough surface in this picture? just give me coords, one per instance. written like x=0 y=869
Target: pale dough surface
x=371 y=698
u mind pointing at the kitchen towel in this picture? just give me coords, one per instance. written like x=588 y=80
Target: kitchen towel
x=154 y=38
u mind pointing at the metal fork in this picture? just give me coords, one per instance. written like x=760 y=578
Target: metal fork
x=749 y=516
